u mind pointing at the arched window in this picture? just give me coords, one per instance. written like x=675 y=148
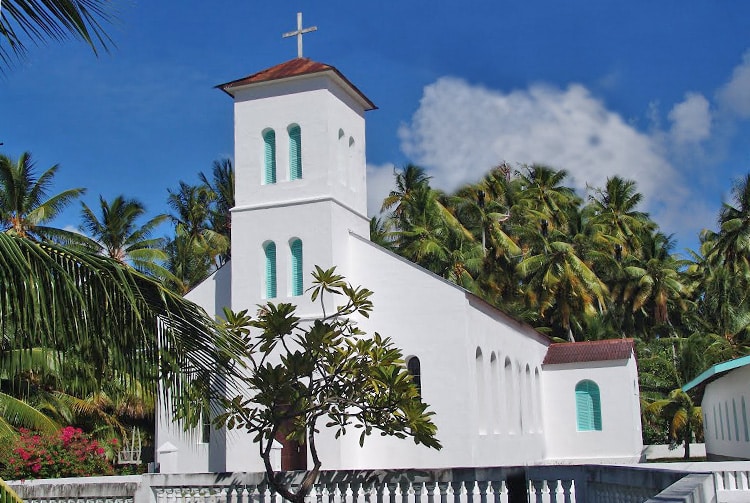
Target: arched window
x=494 y=394
x=270 y=252
x=481 y=392
x=588 y=406
x=736 y=423
x=415 y=371
x=269 y=156
x=295 y=152
x=508 y=384
x=295 y=247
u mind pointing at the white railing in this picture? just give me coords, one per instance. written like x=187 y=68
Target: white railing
x=532 y=484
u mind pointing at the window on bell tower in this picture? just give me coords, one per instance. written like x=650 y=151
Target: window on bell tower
x=269 y=156
x=295 y=248
x=269 y=250
x=295 y=152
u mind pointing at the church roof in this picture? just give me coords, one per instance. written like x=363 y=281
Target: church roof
x=296 y=67
x=589 y=351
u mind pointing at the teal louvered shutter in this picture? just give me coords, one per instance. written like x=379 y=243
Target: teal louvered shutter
x=588 y=407
x=295 y=153
x=270 y=250
x=296 y=248
x=269 y=159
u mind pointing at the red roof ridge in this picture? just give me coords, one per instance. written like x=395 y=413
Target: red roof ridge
x=293 y=68
x=589 y=351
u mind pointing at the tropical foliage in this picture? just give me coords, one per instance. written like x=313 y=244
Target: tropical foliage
x=328 y=370
x=585 y=269
x=34 y=21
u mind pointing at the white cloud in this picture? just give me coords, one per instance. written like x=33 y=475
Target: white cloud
x=379 y=185
x=735 y=94
x=691 y=119
x=461 y=130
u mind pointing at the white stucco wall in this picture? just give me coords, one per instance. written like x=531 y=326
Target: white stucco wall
x=620 y=438
x=444 y=326
x=726 y=423
x=189 y=453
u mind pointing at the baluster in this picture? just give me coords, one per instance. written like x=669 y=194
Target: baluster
x=344 y=490
x=443 y=491
x=535 y=491
x=470 y=489
x=317 y=493
x=482 y=488
x=355 y=487
x=730 y=482
x=392 y=488
x=403 y=490
x=161 y=496
x=430 y=489
x=417 y=489
x=569 y=488
x=718 y=481
x=367 y=490
x=379 y=489
x=456 y=488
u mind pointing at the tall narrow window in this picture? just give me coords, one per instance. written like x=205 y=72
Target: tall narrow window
x=415 y=371
x=295 y=152
x=481 y=392
x=269 y=156
x=744 y=420
x=716 y=428
x=736 y=423
x=270 y=251
x=508 y=382
x=588 y=406
x=295 y=247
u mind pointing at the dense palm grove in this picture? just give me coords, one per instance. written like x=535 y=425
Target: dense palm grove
x=520 y=238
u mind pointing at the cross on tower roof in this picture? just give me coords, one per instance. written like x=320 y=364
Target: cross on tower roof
x=299 y=32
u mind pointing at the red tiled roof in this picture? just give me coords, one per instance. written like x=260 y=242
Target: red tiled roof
x=589 y=351
x=292 y=68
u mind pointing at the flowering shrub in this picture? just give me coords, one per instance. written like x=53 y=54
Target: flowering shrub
x=69 y=453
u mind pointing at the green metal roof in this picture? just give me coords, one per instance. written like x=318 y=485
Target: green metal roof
x=716 y=371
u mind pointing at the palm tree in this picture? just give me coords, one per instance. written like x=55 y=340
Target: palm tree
x=658 y=281
x=408 y=180
x=35 y=21
x=117 y=234
x=25 y=207
x=195 y=248
x=615 y=216
x=732 y=242
x=684 y=417
x=115 y=318
x=220 y=216
x=558 y=280
x=544 y=196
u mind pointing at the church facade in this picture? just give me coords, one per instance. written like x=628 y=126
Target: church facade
x=502 y=393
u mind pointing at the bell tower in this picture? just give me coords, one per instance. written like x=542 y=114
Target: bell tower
x=300 y=179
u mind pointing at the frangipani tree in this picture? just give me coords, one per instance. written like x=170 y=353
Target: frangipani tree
x=301 y=374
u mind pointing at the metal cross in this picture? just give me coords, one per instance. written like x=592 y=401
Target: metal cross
x=298 y=33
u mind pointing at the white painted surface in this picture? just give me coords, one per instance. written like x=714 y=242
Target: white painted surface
x=725 y=427
x=620 y=437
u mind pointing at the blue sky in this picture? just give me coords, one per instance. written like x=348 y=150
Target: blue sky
x=654 y=91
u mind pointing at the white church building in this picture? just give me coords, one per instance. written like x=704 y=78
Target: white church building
x=502 y=393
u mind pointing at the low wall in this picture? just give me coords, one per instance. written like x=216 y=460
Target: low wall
x=104 y=489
